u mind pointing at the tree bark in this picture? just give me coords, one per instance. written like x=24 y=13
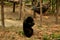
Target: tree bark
x=57 y=10
x=2 y=13
x=41 y=13
x=34 y=4
x=13 y=6
x=20 y=9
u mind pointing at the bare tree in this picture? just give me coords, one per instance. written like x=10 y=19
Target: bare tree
x=20 y=9
x=14 y=3
x=57 y=10
x=40 y=12
x=2 y=13
x=14 y=6
x=34 y=4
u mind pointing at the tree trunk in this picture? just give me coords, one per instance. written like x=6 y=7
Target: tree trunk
x=34 y=4
x=41 y=13
x=20 y=9
x=2 y=13
x=57 y=10
x=13 y=6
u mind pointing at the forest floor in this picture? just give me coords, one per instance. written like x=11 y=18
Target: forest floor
x=14 y=26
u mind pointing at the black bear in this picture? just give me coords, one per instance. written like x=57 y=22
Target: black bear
x=27 y=26
x=45 y=7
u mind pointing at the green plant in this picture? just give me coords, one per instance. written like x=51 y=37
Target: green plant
x=55 y=36
x=46 y=37
x=20 y=33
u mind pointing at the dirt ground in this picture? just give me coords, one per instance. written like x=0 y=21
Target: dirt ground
x=14 y=26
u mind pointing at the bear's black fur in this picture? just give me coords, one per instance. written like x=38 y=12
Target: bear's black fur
x=27 y=26
x=28 y=32
x=45 y=7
